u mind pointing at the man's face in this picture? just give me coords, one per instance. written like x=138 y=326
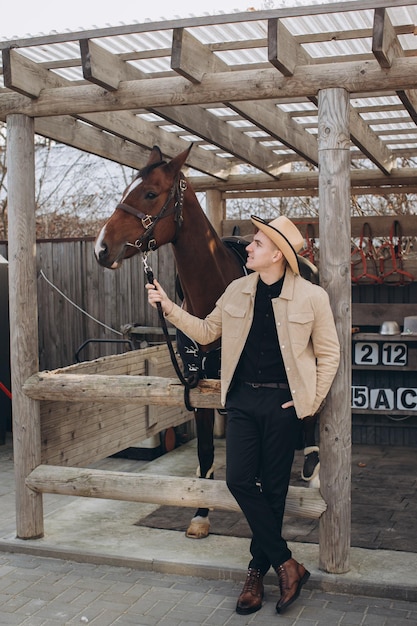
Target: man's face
x=262 y=253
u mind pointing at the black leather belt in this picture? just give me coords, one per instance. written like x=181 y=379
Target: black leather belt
x=268 y=385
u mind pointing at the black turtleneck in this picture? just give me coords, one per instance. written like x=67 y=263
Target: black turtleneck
x=261 y=359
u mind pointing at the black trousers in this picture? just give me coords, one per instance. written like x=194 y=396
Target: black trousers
x=260 y=441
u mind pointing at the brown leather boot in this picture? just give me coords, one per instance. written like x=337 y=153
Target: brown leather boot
x=292 y=576
x=250 y=600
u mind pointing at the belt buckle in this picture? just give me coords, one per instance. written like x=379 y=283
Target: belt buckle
x=255 y=385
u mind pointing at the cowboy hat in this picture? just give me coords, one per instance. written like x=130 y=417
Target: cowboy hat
x=285 y=236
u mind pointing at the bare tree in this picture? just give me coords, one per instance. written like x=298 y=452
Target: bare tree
x=75 y=191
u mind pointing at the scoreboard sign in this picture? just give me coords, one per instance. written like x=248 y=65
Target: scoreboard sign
x=401 y=399
x=372 y=353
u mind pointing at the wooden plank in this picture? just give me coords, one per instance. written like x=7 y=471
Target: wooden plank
x=373 y=314
x=168 y=490
x=110 y=436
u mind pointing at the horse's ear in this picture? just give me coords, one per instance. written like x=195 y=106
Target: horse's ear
x=177 y=162
x=155 y=156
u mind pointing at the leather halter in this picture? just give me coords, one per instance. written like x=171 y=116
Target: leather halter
x=150 y=221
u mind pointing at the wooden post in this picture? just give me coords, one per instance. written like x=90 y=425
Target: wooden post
x=23 y=319
x=214 y=209
x=335 y=419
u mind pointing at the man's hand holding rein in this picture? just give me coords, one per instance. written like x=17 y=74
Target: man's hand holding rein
x=157 y=294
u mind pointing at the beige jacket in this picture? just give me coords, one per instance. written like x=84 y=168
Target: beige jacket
x=306 y=333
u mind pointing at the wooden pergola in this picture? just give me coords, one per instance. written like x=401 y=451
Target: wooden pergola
x=331 y=86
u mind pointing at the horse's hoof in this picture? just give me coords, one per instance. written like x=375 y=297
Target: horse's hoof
x=199 y=528
x=311 y=467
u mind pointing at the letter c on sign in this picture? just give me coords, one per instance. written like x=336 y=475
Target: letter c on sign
x=407 y=399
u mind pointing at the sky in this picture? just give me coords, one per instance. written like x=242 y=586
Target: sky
x=20 y=18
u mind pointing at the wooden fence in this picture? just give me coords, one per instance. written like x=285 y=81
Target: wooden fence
x=115 y=298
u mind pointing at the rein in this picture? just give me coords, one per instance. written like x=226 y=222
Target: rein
x=191 y=382
x=150 y=221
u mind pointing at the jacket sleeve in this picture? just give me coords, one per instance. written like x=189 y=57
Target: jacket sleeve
x=326 y=348
x=203 y=331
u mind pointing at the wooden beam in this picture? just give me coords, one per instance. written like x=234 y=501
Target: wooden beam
x=192 y=22
x=25 y=76
x=154 y=489
x=386 y=47
x=385 y=44
x=284 y=52
x=185 y=51
x=368 y=142
x=409 y=100
x=192 y=59
x=380 y=225
x=68 y=130
x=134 y=389
x=103 y=68
x=250 y=85
x=308 y=180
x=281 y=126
x=106 y=69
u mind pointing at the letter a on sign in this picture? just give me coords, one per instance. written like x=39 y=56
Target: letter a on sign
x=382 y=399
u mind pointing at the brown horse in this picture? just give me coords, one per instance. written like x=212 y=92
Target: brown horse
x=157 y=208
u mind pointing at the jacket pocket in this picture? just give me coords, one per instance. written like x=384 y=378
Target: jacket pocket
x=300 y=326
x=233 y=320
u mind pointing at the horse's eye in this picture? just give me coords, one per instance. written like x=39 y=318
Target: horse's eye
x=150 y=196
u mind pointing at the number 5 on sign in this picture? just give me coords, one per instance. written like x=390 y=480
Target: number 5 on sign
x=366 y=353
x=360 y=397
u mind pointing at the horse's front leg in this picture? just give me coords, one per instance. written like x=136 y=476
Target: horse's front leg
x=199 y=527
x=311 y=467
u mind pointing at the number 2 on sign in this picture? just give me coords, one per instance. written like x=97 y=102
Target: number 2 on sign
x=366 y=353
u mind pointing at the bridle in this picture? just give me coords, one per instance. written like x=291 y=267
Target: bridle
x=150 y=221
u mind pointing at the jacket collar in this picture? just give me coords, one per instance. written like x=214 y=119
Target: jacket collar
x=287 y=291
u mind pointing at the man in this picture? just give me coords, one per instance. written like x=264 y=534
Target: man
x=280 y=353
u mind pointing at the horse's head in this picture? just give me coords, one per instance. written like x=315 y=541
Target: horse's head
x=149 y=213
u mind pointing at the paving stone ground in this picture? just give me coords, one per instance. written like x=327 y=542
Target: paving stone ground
x=38 y=591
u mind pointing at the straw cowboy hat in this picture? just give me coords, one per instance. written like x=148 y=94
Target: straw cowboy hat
x=285 y=236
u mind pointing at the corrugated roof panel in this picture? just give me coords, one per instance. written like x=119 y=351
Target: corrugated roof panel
x=327 y=23
x=343 y=47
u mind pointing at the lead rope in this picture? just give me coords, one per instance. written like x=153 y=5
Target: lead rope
x=187 y=383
